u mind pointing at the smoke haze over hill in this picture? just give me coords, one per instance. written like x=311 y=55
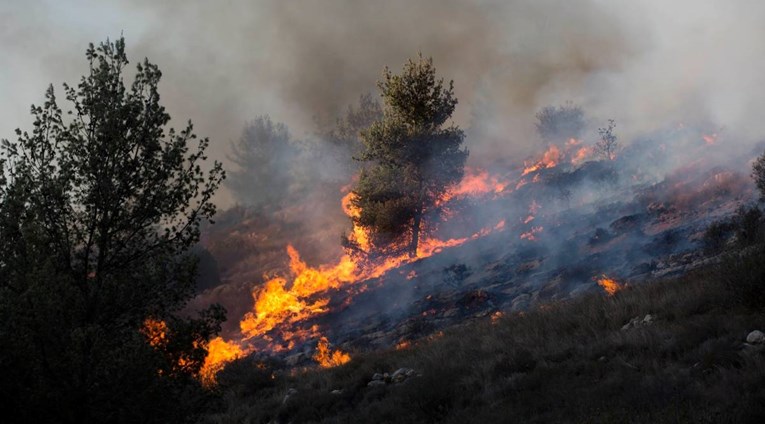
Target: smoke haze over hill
x=644 y=64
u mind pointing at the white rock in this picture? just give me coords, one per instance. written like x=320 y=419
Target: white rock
x=756 y=337
x=402 y=374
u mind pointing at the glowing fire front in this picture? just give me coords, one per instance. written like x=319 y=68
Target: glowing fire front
x=328 y=358
x=283 y=305
x=609 y=285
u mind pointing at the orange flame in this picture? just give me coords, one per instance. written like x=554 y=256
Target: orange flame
x=609 y=285
x=327 y=358
x=475 y=182
x=219 y=353
x=549 y=160
x=155 y=332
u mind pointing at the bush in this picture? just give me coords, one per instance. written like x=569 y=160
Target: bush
x=743 y=274
x=717 y=235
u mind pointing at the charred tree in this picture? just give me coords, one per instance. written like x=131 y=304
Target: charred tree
x=412 y=156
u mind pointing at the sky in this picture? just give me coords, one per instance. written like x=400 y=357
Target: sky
x=643 y=63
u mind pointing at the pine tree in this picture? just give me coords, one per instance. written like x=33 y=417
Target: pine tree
x=413 y=157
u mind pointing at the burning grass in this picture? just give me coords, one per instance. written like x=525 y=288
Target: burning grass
x=568 y=362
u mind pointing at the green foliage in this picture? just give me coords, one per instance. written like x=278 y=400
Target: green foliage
x=346 y=132
x=97 y=213
x=413 y=157
x=263 y=154
x=716 y=236
x=558 y=125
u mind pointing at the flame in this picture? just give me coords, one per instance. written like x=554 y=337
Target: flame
x=403 y=345
x=327 y=358
x=155 y=332
x=549 y=160
x=357 y=234
x=709 y=139
x=531 y=235
x=219 y=353
x=609 y=285
x=475 y=182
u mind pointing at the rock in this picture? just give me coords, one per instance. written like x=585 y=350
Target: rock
x=290 y=392
x=401 y=374
x=336 y=392
x=375 y=383
x=637 y=322
x=294 y=360
x=377 y=376
x=756 y=337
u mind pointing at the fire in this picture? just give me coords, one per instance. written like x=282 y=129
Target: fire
x=476 y=182
x=531 y=235
x=327 y=358
x=219 y=353
x=709 y=139
x=358 y=234
x=403 y=345
x=609 y=285
x=549 y=159
x=155 y=332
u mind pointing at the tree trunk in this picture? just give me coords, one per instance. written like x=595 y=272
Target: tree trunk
x=415 y=233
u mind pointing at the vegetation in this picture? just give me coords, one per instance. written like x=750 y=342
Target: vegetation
x=97 y=214
x=607 y=146
x=263 y=154
x=758 y=173
x=414 y=158
x=558 y=125
x=565 y=362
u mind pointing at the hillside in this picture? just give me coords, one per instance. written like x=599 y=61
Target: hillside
x=671 y=351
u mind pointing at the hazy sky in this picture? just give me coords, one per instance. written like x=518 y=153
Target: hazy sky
x=644 y=63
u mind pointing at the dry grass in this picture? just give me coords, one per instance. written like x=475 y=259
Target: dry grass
x=566 y=362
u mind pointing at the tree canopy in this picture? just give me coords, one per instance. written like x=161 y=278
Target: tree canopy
x=559 y=124
x=98 y=208
x=412 y=157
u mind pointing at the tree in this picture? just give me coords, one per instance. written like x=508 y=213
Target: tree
x=264 y=154
x=758 y=174
x=607 y=145
x=413 y=157
x=98 y=208
x=558 y=125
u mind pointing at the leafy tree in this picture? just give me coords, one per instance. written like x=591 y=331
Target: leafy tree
x=347 y=129
x=98 y=208
x=557 y=125
x=264 y=154
x=413 y=157
x=607 y=146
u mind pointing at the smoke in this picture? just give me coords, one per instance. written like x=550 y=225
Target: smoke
x=645 y=64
